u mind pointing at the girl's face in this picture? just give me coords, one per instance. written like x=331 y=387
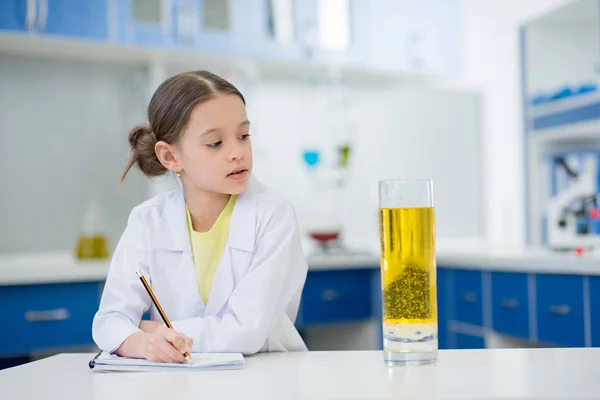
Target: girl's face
x=214 y=151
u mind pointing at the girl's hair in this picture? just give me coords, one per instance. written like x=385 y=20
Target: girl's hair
x=168 y=113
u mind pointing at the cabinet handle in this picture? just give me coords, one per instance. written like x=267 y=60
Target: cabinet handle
x=43 y=19
x=560 y=310
x=30 y=14
x=330 y=295
x=469 y=297
x=59 y=314
x=510 y=303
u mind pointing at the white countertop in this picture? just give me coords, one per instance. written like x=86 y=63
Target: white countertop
x=63 y=267
x=459 y=374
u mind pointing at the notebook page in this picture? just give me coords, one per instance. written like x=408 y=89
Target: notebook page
x=198 y=361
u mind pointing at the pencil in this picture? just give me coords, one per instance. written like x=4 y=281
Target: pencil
x=158 y=307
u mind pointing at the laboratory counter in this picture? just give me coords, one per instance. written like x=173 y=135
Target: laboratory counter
x=459 y=374
x=63 y=267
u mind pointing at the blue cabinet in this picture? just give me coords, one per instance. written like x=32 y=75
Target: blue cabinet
x=442 y=307
x=85 y=19
x=467 y=297
x=17 y=15
x=217 y=27
x=510 y=304
x=594 y=285
x=336 y=296
x=146 y=22
x=211 y=26
x=47 y=316
x=377 y=304
x=559 y=302
x=465 y=341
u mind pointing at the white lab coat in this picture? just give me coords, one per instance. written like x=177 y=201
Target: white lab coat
x=256 y=290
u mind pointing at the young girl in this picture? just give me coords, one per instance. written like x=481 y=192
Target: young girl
x=223 y=254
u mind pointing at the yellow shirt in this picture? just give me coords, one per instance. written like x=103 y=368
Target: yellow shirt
x=207 y=247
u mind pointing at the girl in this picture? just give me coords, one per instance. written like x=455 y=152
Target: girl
x=223 y=254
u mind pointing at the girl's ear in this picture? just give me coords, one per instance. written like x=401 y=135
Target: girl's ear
x=167 y=155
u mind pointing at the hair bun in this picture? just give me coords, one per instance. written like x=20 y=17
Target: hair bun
x=142 y=141
x=141 y=136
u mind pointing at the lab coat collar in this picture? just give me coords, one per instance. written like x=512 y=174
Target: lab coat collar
x=173 y=233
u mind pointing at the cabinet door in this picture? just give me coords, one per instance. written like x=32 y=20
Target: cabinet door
x=47 y=316
x=442 y=307
x=336 y=296
x=510 y=305
x=560 y=307
x=146 y=22
x=465 y=341
x=208 y=25
x=595 y=309
x=87 y=19
x=468 y=297
x=17 y=15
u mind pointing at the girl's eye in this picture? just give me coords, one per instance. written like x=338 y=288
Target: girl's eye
x=244 y=137
x=214 y=145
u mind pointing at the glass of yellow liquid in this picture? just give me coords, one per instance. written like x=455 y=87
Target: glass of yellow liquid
x=408 y=272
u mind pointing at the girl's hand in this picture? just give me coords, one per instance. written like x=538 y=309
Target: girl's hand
x=166 y=345
x=149 y=326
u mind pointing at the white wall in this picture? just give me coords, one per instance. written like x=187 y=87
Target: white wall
x=64 y=132
x=63 y=145
x=402 y=132
x=491 y=64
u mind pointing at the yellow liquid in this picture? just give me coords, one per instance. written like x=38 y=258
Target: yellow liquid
x=408 y=276
x=92 y=247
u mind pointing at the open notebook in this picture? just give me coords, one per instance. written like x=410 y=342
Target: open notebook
x=200 y=361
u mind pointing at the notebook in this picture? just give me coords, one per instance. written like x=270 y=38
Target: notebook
x=200 y=361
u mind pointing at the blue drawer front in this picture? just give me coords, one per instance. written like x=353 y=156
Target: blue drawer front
x=560 y=310
x=38 y=317
x=464 y=341
x=336 y=296
x=467 y=297
x=442 y=305
x=510 y=306
x=595 y=309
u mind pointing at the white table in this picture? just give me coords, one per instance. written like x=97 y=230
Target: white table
x=459 y=374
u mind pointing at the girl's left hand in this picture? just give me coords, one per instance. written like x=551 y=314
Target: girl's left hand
x=149 y=326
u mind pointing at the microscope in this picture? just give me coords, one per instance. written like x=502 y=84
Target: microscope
x=573 y=213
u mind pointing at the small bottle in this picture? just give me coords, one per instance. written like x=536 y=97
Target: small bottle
x=92 y=245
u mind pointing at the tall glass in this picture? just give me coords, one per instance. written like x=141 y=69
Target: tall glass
x=408 y=272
